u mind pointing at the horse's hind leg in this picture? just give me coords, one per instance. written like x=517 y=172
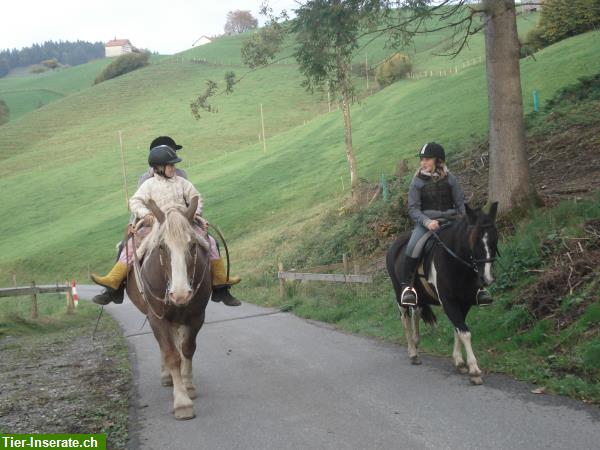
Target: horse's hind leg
x=416 y=336
x=406 y=324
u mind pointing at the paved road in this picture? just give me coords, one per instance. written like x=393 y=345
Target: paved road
x=269 y=380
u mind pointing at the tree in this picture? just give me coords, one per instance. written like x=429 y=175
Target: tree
x=326 y=33
x=4 y=112
x=509 y=181
x=239 y=21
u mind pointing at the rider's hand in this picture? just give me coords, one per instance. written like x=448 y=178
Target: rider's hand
x=203 y=222
x=148 y=220
x=433 y=225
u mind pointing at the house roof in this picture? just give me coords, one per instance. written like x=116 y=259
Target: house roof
x=200 y=38
x=117 y=43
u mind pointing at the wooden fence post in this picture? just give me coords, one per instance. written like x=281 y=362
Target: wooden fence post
x=70 y=303
x=345 y=263
x=34 y=307
x=281 y=280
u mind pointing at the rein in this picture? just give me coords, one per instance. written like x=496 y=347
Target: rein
x=471 y=265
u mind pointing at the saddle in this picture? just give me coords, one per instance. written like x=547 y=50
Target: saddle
x=425 y=257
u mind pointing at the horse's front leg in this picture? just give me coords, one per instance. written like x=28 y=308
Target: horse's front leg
x=457 y=317
x=416 y=336
x=457 y=356
x=187 y=346
x=183 y=407
x=474 y=371
x=165 y=373
x=413 y=353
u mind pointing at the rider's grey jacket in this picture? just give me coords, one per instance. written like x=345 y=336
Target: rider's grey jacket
x=425 y=217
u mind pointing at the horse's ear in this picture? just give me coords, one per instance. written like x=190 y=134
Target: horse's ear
x=493 y=211
x=190 y=212
x=152 y=206
x=471 y=214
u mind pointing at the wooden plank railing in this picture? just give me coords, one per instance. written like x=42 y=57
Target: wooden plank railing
x=34 y=290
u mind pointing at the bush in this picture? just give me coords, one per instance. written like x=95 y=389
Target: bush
x=560 y=19
x=123 y=64
x=4 y=112
x=395 y=68
x=535 y=39
x=37 y=69
x=51 y=63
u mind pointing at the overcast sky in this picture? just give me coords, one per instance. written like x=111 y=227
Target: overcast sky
x=165 y=26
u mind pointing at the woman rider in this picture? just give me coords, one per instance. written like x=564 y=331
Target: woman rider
x=166 y=188
x=434 y=194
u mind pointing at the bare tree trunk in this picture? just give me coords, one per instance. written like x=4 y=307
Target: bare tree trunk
x=349 y=149
x=509 y=182
x=345 y=90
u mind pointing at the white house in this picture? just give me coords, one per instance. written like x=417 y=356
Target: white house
x=201 y=41
x=117 y=47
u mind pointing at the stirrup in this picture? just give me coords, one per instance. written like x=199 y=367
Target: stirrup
x=487 y=301
x=409 y=302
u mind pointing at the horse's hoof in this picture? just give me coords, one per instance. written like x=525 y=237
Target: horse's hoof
x=166 y=381
x=191 y=390
x=185 y=413
x=415 y=360
x=476 y=380
x=462 y=369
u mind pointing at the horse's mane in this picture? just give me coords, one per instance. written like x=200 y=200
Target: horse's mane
x=175 y=231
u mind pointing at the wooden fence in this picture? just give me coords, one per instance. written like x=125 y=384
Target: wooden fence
x=34 y=290
x=327 y=277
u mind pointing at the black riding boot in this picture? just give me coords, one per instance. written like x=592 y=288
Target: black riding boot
x=222 y=294
x=483 y=297
x=409 y=267
x=110 y=295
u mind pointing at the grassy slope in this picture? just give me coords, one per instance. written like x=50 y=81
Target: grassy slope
x=74 y=185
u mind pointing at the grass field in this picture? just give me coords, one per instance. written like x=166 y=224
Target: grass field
x=71 y=210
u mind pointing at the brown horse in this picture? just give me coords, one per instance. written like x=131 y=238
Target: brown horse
x=172 y=288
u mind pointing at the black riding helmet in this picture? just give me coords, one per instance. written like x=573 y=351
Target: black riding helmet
x=165 y=140
x=433 y=150
x=162 y=155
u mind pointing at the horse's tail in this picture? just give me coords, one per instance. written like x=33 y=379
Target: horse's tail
x=428 y=315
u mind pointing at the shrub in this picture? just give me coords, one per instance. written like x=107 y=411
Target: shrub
x=123 y=64
x=535 y=39
x=51 y=63
x=560 y=19
x=4 y=112
x=395 y=68
x=37 y=69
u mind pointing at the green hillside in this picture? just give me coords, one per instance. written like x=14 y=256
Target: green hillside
x=61 y=172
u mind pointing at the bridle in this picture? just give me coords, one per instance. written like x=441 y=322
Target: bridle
x=473 y=262
x=144 y=287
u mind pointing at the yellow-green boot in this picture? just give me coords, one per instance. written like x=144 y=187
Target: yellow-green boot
x=114 y=278
x=219 y=275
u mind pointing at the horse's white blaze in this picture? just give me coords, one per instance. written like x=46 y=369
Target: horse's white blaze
x=488 y=278
x=180 y=287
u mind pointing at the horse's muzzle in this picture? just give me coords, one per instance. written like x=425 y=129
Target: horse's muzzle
x=180 y=299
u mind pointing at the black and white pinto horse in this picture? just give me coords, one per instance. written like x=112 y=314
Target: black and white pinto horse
x=451 y=273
